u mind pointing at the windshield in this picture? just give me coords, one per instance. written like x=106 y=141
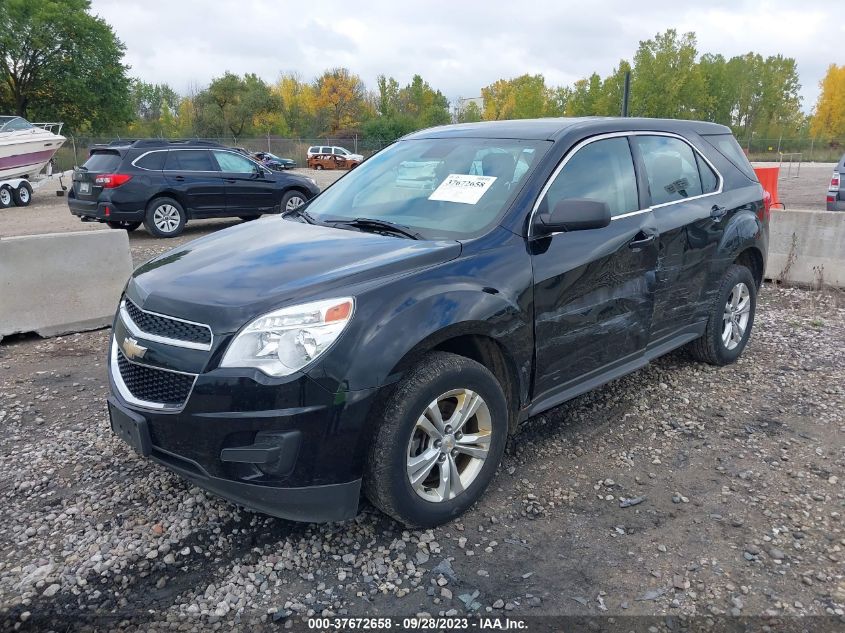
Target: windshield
x=14 y=124
x=441 y=188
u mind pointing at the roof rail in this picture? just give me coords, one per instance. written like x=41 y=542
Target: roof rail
x=156 y=142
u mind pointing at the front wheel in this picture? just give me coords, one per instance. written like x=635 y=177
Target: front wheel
x=292 y=200
x=730 y=321
x=165 y=217
x=22 y=196
x=440 y=440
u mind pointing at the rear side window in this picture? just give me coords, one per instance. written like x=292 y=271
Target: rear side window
x=709 y=179
x=103 y=162
x=671 y=168
x=730 y=149
x=189 y=160
x=603 y=171
x=153 y=161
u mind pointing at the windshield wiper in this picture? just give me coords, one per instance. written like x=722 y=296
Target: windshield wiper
x=377 y=225
x=310 y=219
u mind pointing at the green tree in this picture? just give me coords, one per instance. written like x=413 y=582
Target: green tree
x=470 y=113
x=423 y=104
x=666 y=80
x=58 y=61
x=237 y=106
x=523 y=97
x=586 y=97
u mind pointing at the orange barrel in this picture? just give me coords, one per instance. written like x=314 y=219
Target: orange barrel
x=768 y=177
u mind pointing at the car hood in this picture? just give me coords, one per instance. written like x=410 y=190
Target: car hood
x=229 y=278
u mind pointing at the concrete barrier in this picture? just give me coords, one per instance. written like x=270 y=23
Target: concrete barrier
x=61 y=282
x=807 y=247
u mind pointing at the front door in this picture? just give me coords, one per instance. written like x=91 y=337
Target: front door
x=691 y=223
x=194 y=174
x=593 y=289
x=249 y=188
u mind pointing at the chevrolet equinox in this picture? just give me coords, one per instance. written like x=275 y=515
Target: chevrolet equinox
x=387 y=336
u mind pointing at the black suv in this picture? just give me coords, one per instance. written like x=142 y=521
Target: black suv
x=166 y=183
x=389 y=335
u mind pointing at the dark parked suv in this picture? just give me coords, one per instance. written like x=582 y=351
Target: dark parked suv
x=166 y=183
x=388 y=336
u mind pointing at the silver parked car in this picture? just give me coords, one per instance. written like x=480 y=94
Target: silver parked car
x=836 y=190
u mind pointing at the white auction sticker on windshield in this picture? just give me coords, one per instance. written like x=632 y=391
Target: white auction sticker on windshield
x=462 y=188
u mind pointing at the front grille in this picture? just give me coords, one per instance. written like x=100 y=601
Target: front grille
x=167 y=327
x=154 y=385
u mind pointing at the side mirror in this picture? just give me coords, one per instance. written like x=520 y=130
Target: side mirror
x=574 y=214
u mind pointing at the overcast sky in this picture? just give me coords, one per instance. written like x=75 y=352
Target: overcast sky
x=458 y=47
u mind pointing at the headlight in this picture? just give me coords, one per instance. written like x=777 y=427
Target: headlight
x=284 y=341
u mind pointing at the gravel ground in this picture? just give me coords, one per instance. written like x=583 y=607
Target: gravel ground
x=731 y=482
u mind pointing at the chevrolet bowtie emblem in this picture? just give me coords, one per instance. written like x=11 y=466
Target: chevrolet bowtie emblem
x=131 y=349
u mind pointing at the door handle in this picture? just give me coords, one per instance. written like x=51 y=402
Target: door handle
x=717 y=212
x=639 y=242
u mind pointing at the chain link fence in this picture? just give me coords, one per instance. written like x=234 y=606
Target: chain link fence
x=810 y=150
x=76 y=149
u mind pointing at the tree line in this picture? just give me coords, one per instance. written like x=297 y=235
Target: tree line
x=59 y=62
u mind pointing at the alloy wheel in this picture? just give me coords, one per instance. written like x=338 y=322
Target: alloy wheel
x=737 y=314
x=166 y=218
x=294 y=203
x=5 y=196
x=449 y=445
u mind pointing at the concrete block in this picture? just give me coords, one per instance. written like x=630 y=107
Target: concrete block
x=807 y=247
x=62 y=282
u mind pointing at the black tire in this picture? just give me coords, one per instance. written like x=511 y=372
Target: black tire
x=22 y=196
x=291 y=196
x=6 y=197
x=318 y=166
x=386 y=481
x=162 y=204
x=123 y=224
x=710 y=347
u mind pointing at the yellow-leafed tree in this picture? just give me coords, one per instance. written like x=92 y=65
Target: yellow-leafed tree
x=829 y=116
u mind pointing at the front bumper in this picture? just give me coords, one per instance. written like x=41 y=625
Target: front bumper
x=288 y=448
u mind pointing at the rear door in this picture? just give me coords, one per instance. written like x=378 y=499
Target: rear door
x=593 y=289
x=194 y=174
x=100 y=162
x=250 y=189
x=690 y=218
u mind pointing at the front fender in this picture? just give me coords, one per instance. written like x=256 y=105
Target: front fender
x=486 y=291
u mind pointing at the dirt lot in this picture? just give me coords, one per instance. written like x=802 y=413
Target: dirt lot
x=740 y=468
x=739 y=471
x=804 y=188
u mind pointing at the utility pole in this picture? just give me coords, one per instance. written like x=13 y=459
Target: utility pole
x=626 y=93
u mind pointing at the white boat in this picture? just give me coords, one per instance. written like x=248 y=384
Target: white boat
x=25 y=148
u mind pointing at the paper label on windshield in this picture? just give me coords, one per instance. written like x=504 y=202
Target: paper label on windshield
x=462 y=188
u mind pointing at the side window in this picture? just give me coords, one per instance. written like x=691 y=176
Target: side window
x=671 y=168
x=233 y=164
x=325 y=150
x=153 y=161
x=709 y=179
x=603 y=171
x=189 y=160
